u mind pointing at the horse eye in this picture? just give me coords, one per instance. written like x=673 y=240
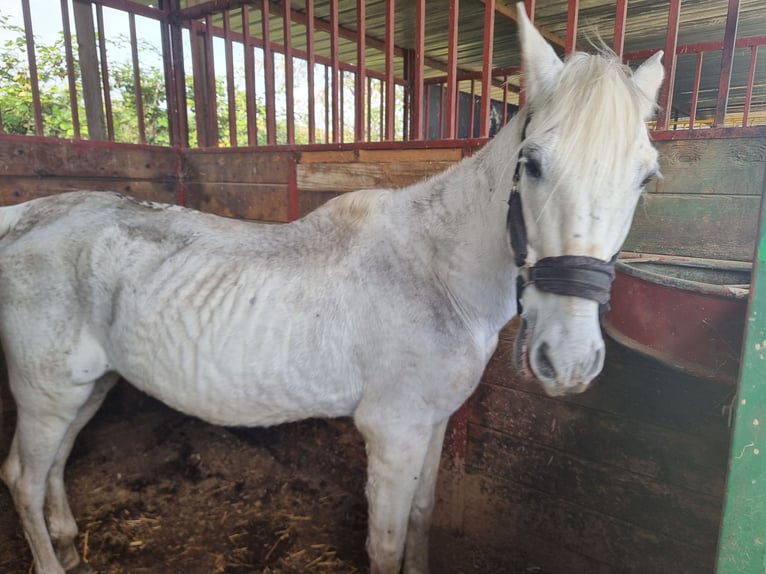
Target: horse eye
x=647 y=180
x=533 y=169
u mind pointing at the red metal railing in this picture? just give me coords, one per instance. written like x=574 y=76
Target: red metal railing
x=411 y=96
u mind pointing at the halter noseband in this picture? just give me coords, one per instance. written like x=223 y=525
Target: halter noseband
x=573 y=275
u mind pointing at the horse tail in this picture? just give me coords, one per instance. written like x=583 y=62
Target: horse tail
x=9 y=217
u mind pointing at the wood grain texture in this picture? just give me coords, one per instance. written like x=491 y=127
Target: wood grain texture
x=82 y=159
x=233 y=165
x=19 y=189
x=343 y=177
x=712 y=226
x=711 y=166
x=264 y=202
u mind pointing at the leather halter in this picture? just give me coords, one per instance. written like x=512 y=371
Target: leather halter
x=572 y=275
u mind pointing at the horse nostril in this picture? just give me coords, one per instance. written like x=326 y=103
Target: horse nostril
x=545 y=368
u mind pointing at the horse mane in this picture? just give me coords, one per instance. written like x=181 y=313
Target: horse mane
x=598 y=111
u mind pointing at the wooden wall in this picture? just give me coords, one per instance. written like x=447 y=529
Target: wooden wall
x=707 y=202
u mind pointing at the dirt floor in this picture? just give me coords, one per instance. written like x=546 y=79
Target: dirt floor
x=154 y=491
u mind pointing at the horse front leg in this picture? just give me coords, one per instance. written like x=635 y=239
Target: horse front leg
x=395 y=455
x=416 y=548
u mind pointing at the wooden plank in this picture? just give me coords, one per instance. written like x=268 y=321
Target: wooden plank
x=735 y=166
x=308 y=202
x=329 y=156
x=361 y=175
x=712 y=226
x=19 y=189
x=665 y=509
x=411 y=155
x=263 y=202
x=654 y=452
x=85 y=159
x=502 y=512
x=237 y=166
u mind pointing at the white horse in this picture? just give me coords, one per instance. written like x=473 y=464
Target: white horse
x=384 y=305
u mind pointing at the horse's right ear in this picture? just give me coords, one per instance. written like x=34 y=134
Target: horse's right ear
x=542 y=66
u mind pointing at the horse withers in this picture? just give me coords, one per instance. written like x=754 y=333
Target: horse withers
x=382 y=305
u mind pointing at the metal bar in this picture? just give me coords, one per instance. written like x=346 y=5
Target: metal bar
x=198 y=72
x=310 y=62
x=137 y=9
x=727 y=60
x=32 y=60
x=419 y=65
x=287 y=27
x=137 y=79
x=442 y=106
x=212 y=92
x=695 y=90
x=750 y=82
x=268 y=72
x=334 y=57
x=341 y=84
x=505 y=99
x=671 y=43
x=205 y=9
x=465 y=76
x=361 y=69
x=105 y=72
x=572 y=14
x=252 y=110
x=176 y=93
x=620 y=18
x=472 y=105
x=326 y=104
x=230 y=89
x=381 y=107
x=369 y=108
x=486 y=71
x=712 y=46
x=70 y=72
x=452 y=35
x=389 y=52
x=426 y=111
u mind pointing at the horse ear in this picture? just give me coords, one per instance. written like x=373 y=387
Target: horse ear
x=648 y=78
x=542 y=65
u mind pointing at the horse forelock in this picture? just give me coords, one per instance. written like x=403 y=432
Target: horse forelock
x=597 y=113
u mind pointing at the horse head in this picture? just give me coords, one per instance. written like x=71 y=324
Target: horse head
x=583 y=160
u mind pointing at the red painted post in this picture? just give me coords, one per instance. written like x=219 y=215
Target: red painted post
x=417 y=85
x=486 y=71
x=310 y=62
x=230 y=90
x=38 y=110
x=179 y=121
x=287 y=27
x=671 y=43
x=572 y=14
x=137 y=79
x=268 y=72
x=360 y=79
x=750 y=82
x=252 y=111
x=452 y=87
x=335 y=68
x=70 y=68
x=727 y=60
x=390 y=86
x=620 y=18
x=695 y=90
x=105 y=72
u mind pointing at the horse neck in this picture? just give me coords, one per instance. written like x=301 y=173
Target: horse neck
x=465 y=230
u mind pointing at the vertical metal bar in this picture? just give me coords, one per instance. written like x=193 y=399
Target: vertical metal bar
x=390 y=87
x=334 y=35
x=198 y=61
x=212 y=98
x=176 y=94
x=230 y=90
x=426 y=112
x=327 y=104
x=486 y=72
x=505 y=99
x=443 y=119
x=382 y=108
x=341 y=83
x=70 y=68
x=727 y=60
x=311 y=60
x=671 y=43
x=620 y=18
x=105 y=72
x=361 y=69
x=750 y=82
x=472 y=110
x=38 y=110
x=695 y=90
x=91 y=82
x=137 y=79
x=287 y=26
x=369 y=109
x=252 y=110
x=268 y=71
x=452 y=88
x=419 y=64
x=572 y=14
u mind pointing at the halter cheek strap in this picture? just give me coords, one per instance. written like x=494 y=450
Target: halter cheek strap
x=571 y=275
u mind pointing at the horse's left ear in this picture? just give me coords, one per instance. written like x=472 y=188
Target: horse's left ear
x=648 y=78
x=542 y=66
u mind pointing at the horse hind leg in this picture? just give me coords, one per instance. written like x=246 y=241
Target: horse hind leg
x=61 y=523
x=44 y=414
